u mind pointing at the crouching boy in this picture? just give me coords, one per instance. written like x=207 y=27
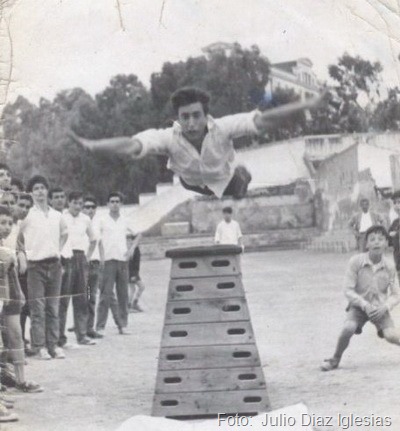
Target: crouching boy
x=372 y=288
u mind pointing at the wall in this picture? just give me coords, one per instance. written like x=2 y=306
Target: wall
x=342 y=179
x=256 y=213
x=336 y=182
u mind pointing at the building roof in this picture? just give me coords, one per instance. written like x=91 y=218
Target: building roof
x=288 y=66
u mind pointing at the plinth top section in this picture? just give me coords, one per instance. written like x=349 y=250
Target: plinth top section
x=208 y=250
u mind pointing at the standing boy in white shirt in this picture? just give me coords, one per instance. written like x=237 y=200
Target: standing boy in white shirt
x=113 y=255
x=79 y=233
x=45 y=233
x=228 y=230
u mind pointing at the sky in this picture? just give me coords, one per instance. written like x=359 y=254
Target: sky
x=61 y=44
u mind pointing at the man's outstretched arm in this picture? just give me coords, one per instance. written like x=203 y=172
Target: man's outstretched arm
x=120 y=145
x=267 y=120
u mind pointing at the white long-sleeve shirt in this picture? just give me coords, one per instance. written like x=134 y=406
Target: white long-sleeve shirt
x=214 y=166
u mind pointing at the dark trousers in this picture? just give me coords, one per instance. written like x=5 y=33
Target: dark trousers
x=93 y=287
x=44 y=286
x=80 y=300
x=237 y=187
x=115 y=272
x=64 y=300
x=23 y=281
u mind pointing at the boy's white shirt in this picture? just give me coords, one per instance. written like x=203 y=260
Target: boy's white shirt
x=228 y=233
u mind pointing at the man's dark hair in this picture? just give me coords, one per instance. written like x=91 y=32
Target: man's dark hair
x=227 y=210
x=377 y=228
x=5 y=210
x=188 y=95
x=74 y=196
x=115 y=195
x=5 y=167
x=90 y=198
x=25 y=196
x=17 y=182
x=396 y=195
x=37 y=179
x=54 y=190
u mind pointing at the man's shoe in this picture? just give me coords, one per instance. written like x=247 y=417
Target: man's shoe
x=7 y=402
x=94 y=334
x=136 y=307
x=87 y=342
x=44 y=354
x=6 y=416
x=29 y=387
x=8 y=377
x=58 y=353
x=124 y=331
x=29 y=352
x=330 y=364
x=71 y=329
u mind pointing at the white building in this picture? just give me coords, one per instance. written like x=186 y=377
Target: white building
x=296 y=75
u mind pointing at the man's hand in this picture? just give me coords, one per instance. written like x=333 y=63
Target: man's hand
x=378 y=312
x=118 y=145
x=87 y=143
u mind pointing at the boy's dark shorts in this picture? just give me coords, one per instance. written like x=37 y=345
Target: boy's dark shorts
x=355 y=314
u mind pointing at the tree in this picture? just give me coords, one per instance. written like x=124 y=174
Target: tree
x=235 y=77
x=354 y=78
x=387 y=113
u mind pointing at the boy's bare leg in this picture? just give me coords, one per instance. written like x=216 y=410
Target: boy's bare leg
x=132 y=288
x=392 y=335
x=139 y=290
x=348 y=331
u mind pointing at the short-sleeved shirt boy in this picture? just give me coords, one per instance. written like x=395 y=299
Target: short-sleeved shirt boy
x=113 y=237
x=214 y=166
x=42 y=232
x=369 y=284
x=228 y=233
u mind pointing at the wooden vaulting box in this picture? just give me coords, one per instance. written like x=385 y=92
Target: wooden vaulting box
x=208 y=361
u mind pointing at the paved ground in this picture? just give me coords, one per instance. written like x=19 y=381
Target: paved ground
x=297 y=308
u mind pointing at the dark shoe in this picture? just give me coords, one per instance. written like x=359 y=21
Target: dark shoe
x=136 y=307
x=29 y=387
x=124 y=331
x=94 y=334
x=71 y=329
x=29 y=352
x=58 y=353
x=330 y=364
x=87 y=342
x=8 y=377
